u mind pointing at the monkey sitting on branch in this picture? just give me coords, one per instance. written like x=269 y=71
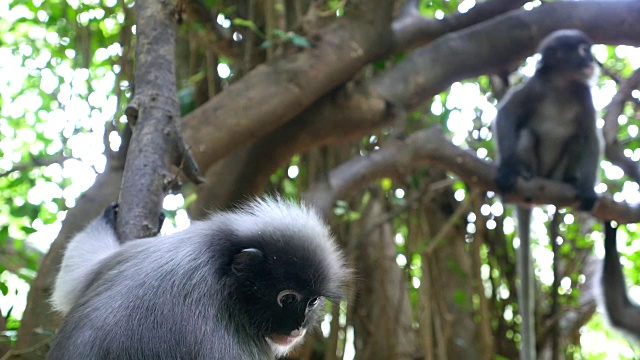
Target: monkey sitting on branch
x=246 y=284
x=547 y=128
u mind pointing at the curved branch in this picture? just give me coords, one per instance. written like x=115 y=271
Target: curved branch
x=431 y=147
x=274 y=93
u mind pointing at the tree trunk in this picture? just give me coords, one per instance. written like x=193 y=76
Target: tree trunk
x=383 y=320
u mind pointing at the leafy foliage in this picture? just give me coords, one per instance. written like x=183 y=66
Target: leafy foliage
x=59 y=61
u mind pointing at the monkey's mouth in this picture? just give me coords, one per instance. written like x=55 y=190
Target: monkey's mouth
x=283 y=340
x=286 y=340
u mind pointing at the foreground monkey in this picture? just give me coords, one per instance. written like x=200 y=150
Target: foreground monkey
x=547 y=128
x=246 y=284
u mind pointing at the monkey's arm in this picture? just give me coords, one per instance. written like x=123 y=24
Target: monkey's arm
x=81 y=258
x=510 y=119
x=622 y=313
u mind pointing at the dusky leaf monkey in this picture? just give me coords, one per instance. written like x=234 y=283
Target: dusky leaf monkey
x=547 y=128
x=244 y=284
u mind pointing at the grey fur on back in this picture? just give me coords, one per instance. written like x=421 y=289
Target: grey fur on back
x=170 y=297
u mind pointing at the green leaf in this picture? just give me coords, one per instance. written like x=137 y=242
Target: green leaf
x=300 y=41
x=248 y=24
x=266 y=44
x=28 y=229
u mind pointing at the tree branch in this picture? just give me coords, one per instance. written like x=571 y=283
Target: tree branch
x=274 y=93
x=156 y=143
x=486 y=49
x=280 y=90
x=356 y=110
x=429 y=147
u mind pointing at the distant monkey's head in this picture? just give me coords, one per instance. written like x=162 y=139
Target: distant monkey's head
x=567 y=52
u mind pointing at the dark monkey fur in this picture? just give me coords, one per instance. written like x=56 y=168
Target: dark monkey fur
x=246 y=284
x=547 y=128
x=622 y=313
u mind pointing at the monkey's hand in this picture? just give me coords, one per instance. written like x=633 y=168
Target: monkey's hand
x=110 y=214
x=506 y=178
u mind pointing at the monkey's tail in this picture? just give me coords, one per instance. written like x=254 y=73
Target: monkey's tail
x=526 y=288
x=83 y=256
x=621 y=311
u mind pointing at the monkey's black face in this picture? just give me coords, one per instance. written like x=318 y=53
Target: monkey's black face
x=282 y=291
x=567 y=52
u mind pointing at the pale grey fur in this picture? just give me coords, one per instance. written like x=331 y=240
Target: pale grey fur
x=83 y=255
x=106 y=288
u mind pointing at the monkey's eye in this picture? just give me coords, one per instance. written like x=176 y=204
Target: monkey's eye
x=288 y=298
x=313 y=302
x=583 y=49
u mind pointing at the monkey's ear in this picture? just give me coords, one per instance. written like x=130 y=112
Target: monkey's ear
x=246 y=261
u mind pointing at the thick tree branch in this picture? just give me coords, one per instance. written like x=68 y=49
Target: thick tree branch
x=156 y=143
x=248 y=170
x=429 y=147
x=614 y=150
x=493 y=45
x=280 y=90
x=353 y=111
